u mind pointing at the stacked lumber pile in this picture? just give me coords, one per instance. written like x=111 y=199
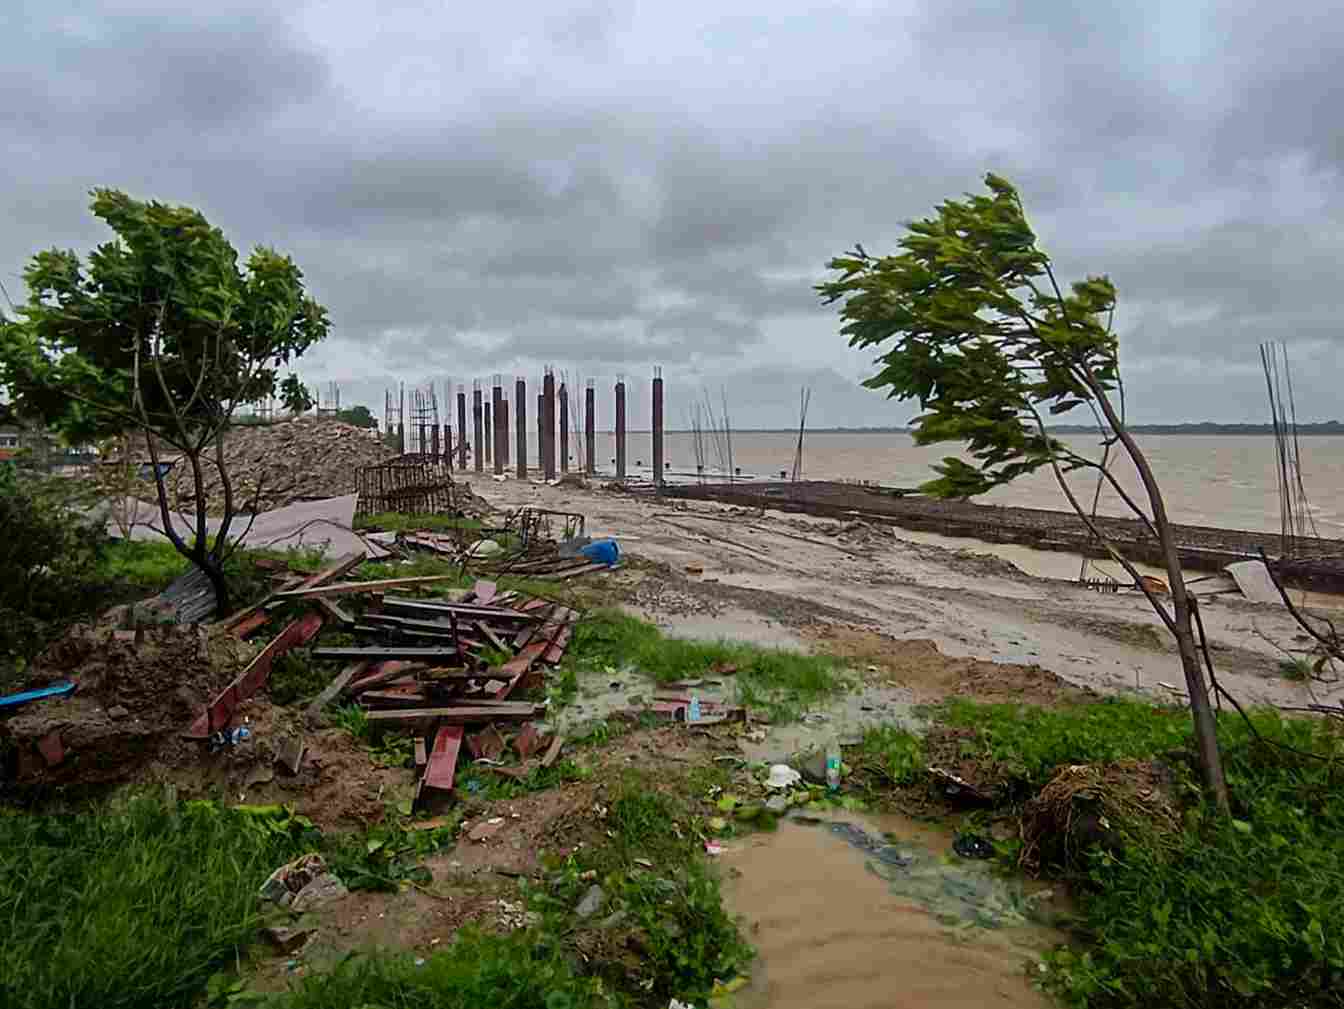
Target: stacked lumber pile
x=440 y=669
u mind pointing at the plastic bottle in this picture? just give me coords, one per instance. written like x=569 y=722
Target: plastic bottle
x=833 y=764
x=693 y=712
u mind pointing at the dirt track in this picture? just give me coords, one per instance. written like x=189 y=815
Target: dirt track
x=969 y=604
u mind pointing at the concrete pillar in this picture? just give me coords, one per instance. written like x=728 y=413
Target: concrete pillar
x=590 y=429
x=477 y=430
x=658 y=429
x=564 y=428
x=489 y=431
x=548 y=413
x=447 y=442
x=541 y=433
x=520 y=422
x=620 y=430
x=496 y=408
x=503 y=422
x=462 y=430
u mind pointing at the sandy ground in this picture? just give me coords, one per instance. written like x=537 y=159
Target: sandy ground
x=970 y=604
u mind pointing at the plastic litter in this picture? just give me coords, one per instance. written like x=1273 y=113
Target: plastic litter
x=833 y=760
x=55 y=690
x=783 y=776
x=972 y=846
x=485 y=548
x=693 y=712
x=606 y=552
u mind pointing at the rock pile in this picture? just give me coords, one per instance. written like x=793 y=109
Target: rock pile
x=304 y=459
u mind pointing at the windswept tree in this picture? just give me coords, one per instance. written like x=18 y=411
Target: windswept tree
x=975 y=327
x=159 y=331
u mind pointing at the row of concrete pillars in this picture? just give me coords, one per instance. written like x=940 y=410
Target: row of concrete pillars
x=491 y=443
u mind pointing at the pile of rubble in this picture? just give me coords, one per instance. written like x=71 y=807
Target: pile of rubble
x=304 y=459
x=441 y=669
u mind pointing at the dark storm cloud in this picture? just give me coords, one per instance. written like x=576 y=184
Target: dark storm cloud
x=606 y=188
x=114 y=78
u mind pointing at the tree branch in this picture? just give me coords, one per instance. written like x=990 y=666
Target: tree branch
x=1119 y=558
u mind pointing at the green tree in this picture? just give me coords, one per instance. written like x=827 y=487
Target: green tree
x=358 y=416
x=160 y=331
x=294 y=396
x=976 y=328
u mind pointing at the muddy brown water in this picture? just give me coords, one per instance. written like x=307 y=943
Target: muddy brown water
x=835 y=926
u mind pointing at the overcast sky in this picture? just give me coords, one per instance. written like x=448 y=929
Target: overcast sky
x=605 y=187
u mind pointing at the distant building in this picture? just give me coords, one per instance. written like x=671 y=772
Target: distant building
x=22 y=440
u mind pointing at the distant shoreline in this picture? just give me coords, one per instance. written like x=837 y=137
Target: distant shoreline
x=1332 y=427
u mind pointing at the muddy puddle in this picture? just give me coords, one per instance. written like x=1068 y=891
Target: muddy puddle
x=878 y=912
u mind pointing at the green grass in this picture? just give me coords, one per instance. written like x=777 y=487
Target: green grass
x=395 y=522
x=475 y=971
x=655 y=878
x=353 y=719
x=296 y=677
x=1027 y=743
x=894 y=753
x=782 y=682
x=495 y=787
x=150 y=565
x=135 y=907
x=1299 y=668
x=1233 y=911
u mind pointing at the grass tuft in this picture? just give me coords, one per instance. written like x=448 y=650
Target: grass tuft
x=473 y=972
x=782 y=682
x=135 y=907
x=1230 y=911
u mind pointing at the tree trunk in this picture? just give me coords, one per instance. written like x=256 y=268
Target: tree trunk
x=214 y=571
x=1206 y=728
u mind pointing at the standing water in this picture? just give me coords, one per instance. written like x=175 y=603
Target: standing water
x=876 y=912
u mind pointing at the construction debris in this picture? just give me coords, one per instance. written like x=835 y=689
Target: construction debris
x=442 y=669
x=279 y=464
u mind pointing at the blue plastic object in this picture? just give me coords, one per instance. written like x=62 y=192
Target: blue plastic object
x=55 y=690
x=603 y=552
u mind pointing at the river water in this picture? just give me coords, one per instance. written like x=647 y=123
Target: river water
x=837 y=927
x=1216 y=480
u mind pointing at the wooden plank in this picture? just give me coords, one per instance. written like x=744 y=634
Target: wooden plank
x=564 y=576
x=380 y=652
x=332 y=689
x=556 y=651
x=379 y=631
x=348 y=588
x=458 y=609
x=492 y=637
x=251 y=679
x=250 y=624
x=443 y=759
x=231 y=623
x=506 y=711
x=335 y=612
x=379 y=673
x=395 y=697
x=408 y=623
x=338 y=568
x=528 y=741
x=553 y=750
x=525 y=635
